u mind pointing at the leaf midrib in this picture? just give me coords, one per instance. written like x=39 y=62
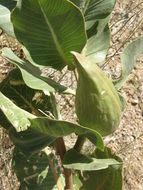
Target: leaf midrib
x=57 y=44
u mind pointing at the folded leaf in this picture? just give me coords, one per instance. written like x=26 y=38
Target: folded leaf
x=128 y=58
x=106 y=179
x=49 y=29
x=32 y=75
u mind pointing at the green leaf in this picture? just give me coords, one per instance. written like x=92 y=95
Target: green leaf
x=36 y=172
x=77 y=161
x=21 y=120
x=98 y=9
x=28 y=140
x=32 y=75
x=128 y=58
x=5 y=8
x=97 y=15
x=106 y=179
x=58 y=128
x=95 y=9
x=49 y=29
x=13 y=87
x=97 y=46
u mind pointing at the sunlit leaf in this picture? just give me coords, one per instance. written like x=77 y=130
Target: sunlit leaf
x=49 y=29
x=128 y=58
x=77 y=161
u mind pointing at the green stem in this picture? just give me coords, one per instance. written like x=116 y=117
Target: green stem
x=79 y=143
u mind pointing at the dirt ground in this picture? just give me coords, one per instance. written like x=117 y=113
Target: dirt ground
x=126 y=24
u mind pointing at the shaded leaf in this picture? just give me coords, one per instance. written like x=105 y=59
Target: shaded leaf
x=77 y=161
x=15 y=89
x=57 y=29
x=30 y=141
x=5 y=23
x=32 y=75
x=24 y=97
x=4 y=121
x=98 y=9
x=128 y=58
x=35 y=173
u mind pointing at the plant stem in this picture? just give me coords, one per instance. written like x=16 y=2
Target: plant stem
x=61 y=149
x=60 y=146
x=79 y=143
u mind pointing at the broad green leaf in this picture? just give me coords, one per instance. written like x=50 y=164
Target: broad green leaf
x=77 y=161
x=36 y=172
x=21 y=120
x=5 y=8
x=49 y=29
x=128 y=58
x=17 y=116
x=32 y=75
x=58 y=128
x=106 y=179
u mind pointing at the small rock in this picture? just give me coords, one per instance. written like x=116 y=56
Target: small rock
x=135 y=102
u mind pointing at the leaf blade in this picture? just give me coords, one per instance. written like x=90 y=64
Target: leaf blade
x=58 y=25
x=128 y=58
x=32 y=75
